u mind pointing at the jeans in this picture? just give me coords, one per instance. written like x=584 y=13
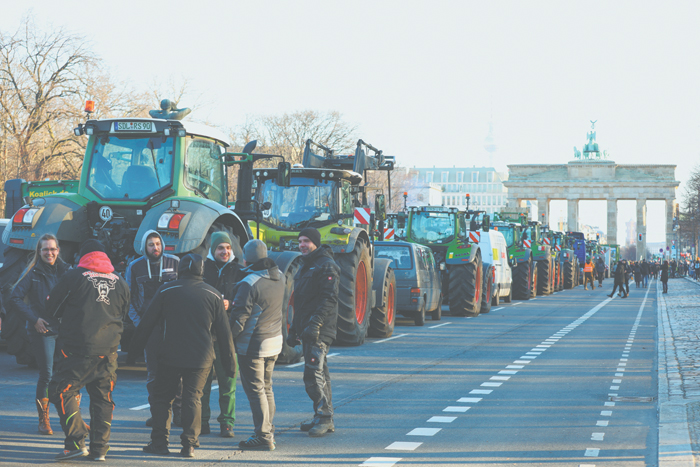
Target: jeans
x=44 y=349
x=256 y=378
x=164 y=391
x=227 y=393
x=665 y=284
x=317 y=379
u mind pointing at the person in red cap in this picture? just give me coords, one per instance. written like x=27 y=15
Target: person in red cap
x=91 y=302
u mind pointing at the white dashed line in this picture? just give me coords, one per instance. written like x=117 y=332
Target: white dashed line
x=441 y=419
x=606 y=413
x=499 y=378
x=592 y=452
x=619 y=374
x=519 y=303
x=498 y=308
x=454 y=408
x=597 y=436
x=531 y=357
x=141 y=407
x=381 y=461
x=490 y=385
x=614 y=388
x=521 y=361
x=403 y=446
x=471 y=400
x=609 y=404
x=617 y=381
x=481 y=391
x=507 y=372
x=423 y=432
x=602 y=423
x=439 y=325
x=390 y=339
x=515 y=367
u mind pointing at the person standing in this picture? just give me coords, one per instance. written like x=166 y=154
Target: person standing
x=645 y=273
x=189 y=311
x=315 y=320
x=91 y=302
x=221 y=271
x=588 y=269
x=34 y=285
x=620 y=274
x=664 y=276
x=144 y=276
x=256 y=325
x=600 y=270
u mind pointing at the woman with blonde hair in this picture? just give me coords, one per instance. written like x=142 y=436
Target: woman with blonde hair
x=29 y=296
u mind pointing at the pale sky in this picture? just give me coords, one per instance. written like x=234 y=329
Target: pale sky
x=422 y=80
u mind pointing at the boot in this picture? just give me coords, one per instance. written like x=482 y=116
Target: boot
x=321 y=428
x=42 y=406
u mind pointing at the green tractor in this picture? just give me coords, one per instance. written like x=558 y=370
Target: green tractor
x=513 y=224
x=555 y=240
x=569 y=261
x=456 y=249
x=329 y=192
x=542 y=256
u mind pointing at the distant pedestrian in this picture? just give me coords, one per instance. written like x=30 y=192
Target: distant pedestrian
x=588 y=269
x=646 y=270
x=91 y=302
x=600 y=270
x=315 y=321
x=637 y=274
x=190 y=311
x=29 y=296
x=619 y=279
x=628 y=275
x=256 y=324
x=664 y=276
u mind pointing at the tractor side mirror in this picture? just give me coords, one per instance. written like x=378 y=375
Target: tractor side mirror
x=485 y=223
x=231 y=158
x=380 y=207
x=284 y=174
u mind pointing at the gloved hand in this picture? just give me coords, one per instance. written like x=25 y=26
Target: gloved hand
x=292 y=339
x=313 y=330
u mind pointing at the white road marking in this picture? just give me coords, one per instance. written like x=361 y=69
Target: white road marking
x=543 y=346
x=490 y=385
x=454 y=408
x=591 y=452
x=612 y=394
x=141 y=407
x=442 y=419
x=498 y=308
x=499 y=378
x=403 y=446
x=472 y=400
x=597 y=436
x=531 y=357
x=624 y=359
x=619 y=374
x=586 y=465
x=609 y=404
x=423 y=432
x=515 y=367
x=521 y=361
x=621 y=369
x=507 y=372
x=519 y=303
x=622 y=364
x=381 y=461
x=481 y=391
x=535 y=351
x=439 y=325
x=606 y=413
x=614 y=388
x=390 y=339
x=602 y=423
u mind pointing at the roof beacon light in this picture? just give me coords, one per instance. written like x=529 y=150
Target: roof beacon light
x=89 y=106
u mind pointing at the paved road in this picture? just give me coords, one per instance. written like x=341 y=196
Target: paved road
x=568 y=380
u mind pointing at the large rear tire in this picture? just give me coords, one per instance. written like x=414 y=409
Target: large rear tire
x=521 y=281
x=354 y=295
x=289 y=354
x=466 y=281
x=533 y=281
x=569 y=275
x=383 y=318
x=544 y=276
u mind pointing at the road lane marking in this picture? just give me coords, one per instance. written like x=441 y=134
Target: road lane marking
x=499 y=378
x=529 y=356
x=454 y=408
x=481 y=391
x=423 y=432
x=515 y=367
x=602 y=423
x=442 y=419
x=621 y=369
x=141 y=407
x=508 y=372
x=614 y=388
x=439 y=325
x=472 y=400
x=390 y=339
x=498 y=308
x=522 y=361
x=606 y=413
x=532 y=352
x=592 y=452
x=622 y=364
x=491 y=385
x=519 y=303
x=381 y=461
x=624 y=359
x=617 y=381
x=597 y=436
x=609 y=404
x=403 y=446
x=619 y=374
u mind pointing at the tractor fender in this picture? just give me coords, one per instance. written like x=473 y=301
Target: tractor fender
x=460 y=256
x=200 y=215
x=381 y=265
x=64 y=216
x=352 y=239
x=283 y=259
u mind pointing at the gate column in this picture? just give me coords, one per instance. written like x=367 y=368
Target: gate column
x=543 y=208
x=572 y=215
x=612 y=222
x=641 y=228
x=669 y=225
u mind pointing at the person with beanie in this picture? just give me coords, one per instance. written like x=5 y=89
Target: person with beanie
x=190 y=313
x=315 y=318
x=91 y=302
x=144 y=276
x=222 y=271
x=256 y=325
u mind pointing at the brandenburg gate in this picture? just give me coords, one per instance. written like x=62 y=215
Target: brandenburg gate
x=590 y=176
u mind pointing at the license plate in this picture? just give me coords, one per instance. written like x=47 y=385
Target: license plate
x=133 y=126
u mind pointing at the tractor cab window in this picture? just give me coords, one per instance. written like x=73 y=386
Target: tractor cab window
x=507 y=234
x=123 y=167
x=432 y=227
x=307 y=202
x=204 y=172
x=346 y=198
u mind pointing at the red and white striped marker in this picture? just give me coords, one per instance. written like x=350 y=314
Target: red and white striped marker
x=362 y=216
x=474 y=237
x=546 y=241
x=558 y=247
x=388 y=233
x=527 y=243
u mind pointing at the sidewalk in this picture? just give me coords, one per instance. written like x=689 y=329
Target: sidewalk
x=679 y=372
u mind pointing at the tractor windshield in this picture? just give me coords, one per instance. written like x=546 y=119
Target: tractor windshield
x=432 y=227
x=123 y=167
x=507 y=234
x=307 y=202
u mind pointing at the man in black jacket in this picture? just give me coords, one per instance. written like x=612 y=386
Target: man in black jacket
x=620 y=274
x=315 y=318
x=91 y=302
x=188 y=311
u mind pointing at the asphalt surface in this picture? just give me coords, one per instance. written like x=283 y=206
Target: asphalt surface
x=570 y=379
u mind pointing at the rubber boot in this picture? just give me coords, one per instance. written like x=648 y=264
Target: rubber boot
x=42 y=407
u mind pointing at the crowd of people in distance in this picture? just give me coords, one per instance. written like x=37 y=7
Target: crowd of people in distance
x=194 y=317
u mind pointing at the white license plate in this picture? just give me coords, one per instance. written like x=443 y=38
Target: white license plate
x=133 y=126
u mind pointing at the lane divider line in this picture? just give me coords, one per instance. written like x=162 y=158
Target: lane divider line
x=390 y=338
x=381 y=461
x=439 y=325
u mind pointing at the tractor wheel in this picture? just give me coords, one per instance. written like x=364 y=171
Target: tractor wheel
x=466 y=281
x=487 y=291
x=533 y=281
x=569 y=275
x=289 y=354
x=509 y=298
x=436 y=314
x=544 y=273
x=496 y=300
x=383 y=318
x=14 y=330
x=521 y=281
x=354 y=295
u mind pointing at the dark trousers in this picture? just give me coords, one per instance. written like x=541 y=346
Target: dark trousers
x=665 y=284
x=256 y=378
x=588 y=277
x=44 y=349
x=621 y=286
x=151 y=352
x=317 y=379
x=98 y=374
x=164 y=391
x=227 y=392
x=601 y=275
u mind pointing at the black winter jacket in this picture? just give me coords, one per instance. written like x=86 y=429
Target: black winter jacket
x=188 y=311
x=316 y=293
x=256 y=311
x=91 y=302
x=36 y=286
x=223 y=279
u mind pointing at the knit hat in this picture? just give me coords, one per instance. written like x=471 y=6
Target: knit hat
x=254 y=251
x=88 y=246
x=312 y=234
x=218 y=238
x=191 y=265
